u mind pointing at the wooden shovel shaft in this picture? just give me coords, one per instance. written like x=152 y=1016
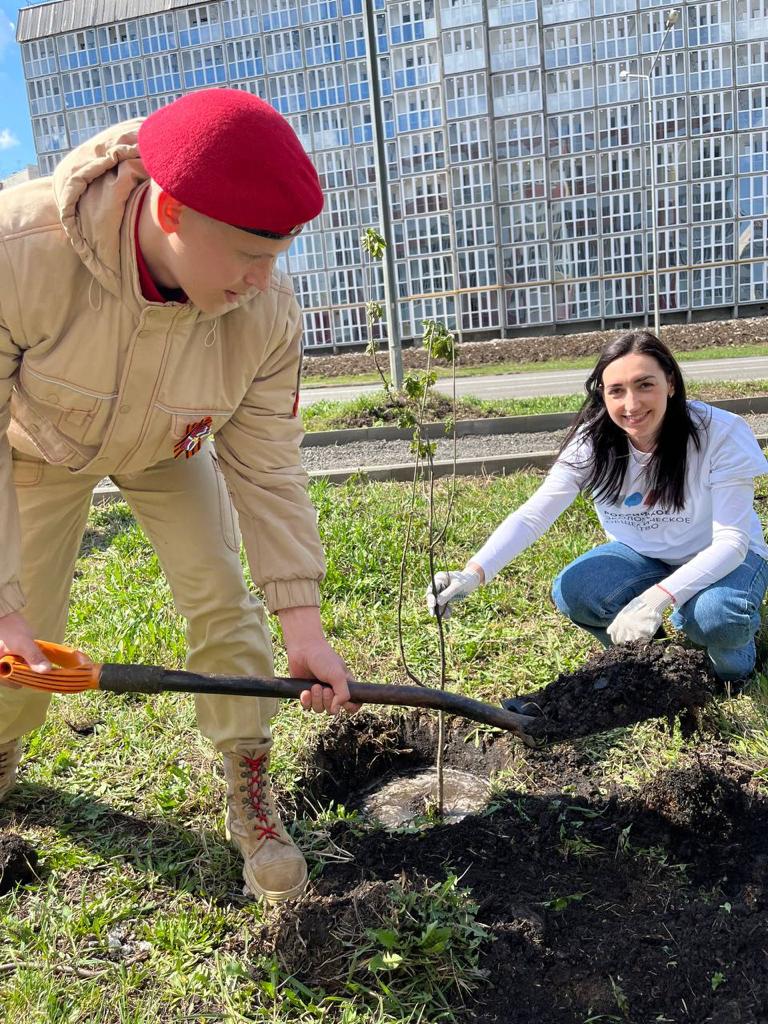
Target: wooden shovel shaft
x=154 y=679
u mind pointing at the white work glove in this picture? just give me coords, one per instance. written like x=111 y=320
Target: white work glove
x=640 y=619
x=451 y=586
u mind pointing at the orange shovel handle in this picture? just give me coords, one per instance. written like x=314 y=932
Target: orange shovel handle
x=74 y=671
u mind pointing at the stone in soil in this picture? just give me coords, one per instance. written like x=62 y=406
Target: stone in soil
x=408 y=797
x=18 y=861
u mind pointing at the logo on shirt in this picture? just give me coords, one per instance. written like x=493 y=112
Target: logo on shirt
x=194 y=436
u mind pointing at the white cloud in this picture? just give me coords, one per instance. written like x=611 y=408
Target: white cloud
x=7 y=139
x=7 y=32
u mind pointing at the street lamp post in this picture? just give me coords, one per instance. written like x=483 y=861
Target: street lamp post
x=671 y=20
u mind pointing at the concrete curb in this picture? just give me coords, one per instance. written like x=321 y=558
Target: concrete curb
x=493 y=465
x=499 y=425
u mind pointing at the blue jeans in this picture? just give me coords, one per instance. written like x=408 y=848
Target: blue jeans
x=723 y=618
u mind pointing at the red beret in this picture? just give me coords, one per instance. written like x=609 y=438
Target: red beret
x=233 y=157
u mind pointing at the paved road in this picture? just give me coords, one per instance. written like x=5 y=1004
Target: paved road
x=551 y=382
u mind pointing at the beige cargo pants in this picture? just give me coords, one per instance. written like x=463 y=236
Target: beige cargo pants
x=185 y=510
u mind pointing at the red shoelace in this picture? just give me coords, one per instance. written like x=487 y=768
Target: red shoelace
x=264 y=828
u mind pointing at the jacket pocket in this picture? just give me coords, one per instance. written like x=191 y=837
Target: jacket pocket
x=69 y=407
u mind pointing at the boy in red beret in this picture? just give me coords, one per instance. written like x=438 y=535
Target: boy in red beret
x=140 y=313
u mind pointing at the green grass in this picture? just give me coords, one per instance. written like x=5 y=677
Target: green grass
x=138 y=915
x=368 y=409
x=572 y=363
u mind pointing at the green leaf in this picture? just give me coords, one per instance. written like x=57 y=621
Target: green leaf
x=386 y=937
x=385 y=962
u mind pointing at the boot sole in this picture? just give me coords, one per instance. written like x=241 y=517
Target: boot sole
x=280 y=896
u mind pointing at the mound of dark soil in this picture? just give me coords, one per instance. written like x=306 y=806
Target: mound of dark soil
x=623 y=685
x=592 y=908
x=18 y=861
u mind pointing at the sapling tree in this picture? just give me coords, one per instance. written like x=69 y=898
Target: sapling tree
x=410 y=406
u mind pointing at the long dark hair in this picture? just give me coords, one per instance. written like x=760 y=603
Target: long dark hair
x=665 y=473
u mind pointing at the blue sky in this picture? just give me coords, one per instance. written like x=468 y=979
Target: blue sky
x=16 y=146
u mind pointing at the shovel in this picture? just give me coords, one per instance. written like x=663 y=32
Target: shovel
x=74 y=672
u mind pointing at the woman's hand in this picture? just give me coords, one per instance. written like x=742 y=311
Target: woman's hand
x=640 y=619
x=452 y=586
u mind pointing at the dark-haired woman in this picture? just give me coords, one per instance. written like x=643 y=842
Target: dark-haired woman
x=672 y=484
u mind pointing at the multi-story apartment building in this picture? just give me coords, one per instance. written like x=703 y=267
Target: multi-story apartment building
x=516 y=154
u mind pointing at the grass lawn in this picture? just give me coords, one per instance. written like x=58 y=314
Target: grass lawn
x=138 y=915
x=371 y=409
x=573 y=363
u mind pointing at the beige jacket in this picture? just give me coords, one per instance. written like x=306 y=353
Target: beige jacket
x=96 y=378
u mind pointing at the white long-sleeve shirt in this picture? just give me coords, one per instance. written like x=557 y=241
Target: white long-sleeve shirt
x=707 y=538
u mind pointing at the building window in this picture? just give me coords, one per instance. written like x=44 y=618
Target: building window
x=346 y=286
x=409 y=22
x=710 y=69
x=418 y=109
x=753 y=152
x=463 y=50
x=326 y=86
x=472 y=185
x=241 y=18
x=672 y=247
x=322 y=44
x=422 y=236
x=671 y=162
x=319 y=10
x=623 y=254
x=469 y=140
x=751 y=19
x=466 y=95
x=128 y=111
x=712 y=112
x=342 y=248
x=368 y=206
x=574 y=218
x=577 y=300
x=752 y=63
x=516 y=92
x=653 y=30
x=614 y=6
x=572 y=176
x=83 y=124
x=711 y=200
x=712 y=286
x=204 y=66
x=50 y=133
x=753 y=108
x=39 y=56
x=527 y=306
x=619 y=126
x=672 y=205
x=162 y=73
x=753 y=282
x=708 y=24
x=521 y=179
x=511 y=12
x=514 y=47
x=753 y=239
x=77 y=49
x=564 y=10
x=520 y=136
x=523 y=222
x=124 y=81
x=621 y=170
x=669 y=117
x=82 y=88
x=424 y=276
x=479 y=311
x=244 y=59
x=567 y=44
x=611 y=88
x=335 y=169
x=423 y=152
x=477 y=269
x=615 y=37
x=415 y=65
x=474 y=227
x=621 y=213
x=525 y=263
x=426 y=194
x=283 y=51
x=712 y=157
x=277 y=14
x=354 y=38
x=572 y=133
x=460 y=12
x=365 y=168
x=752 y=190
x=624 y=296
x=570 y=88
x=198 y=25
x=669 y=74
x=412 y=314
x=158 y=33
x=306 y=253
x=318 y=332
x=44 y=96
x=575 y=259
x=118 y=42
x=712 y=243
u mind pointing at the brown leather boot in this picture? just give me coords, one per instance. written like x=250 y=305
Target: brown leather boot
x=273 y=866
x=10 y=755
